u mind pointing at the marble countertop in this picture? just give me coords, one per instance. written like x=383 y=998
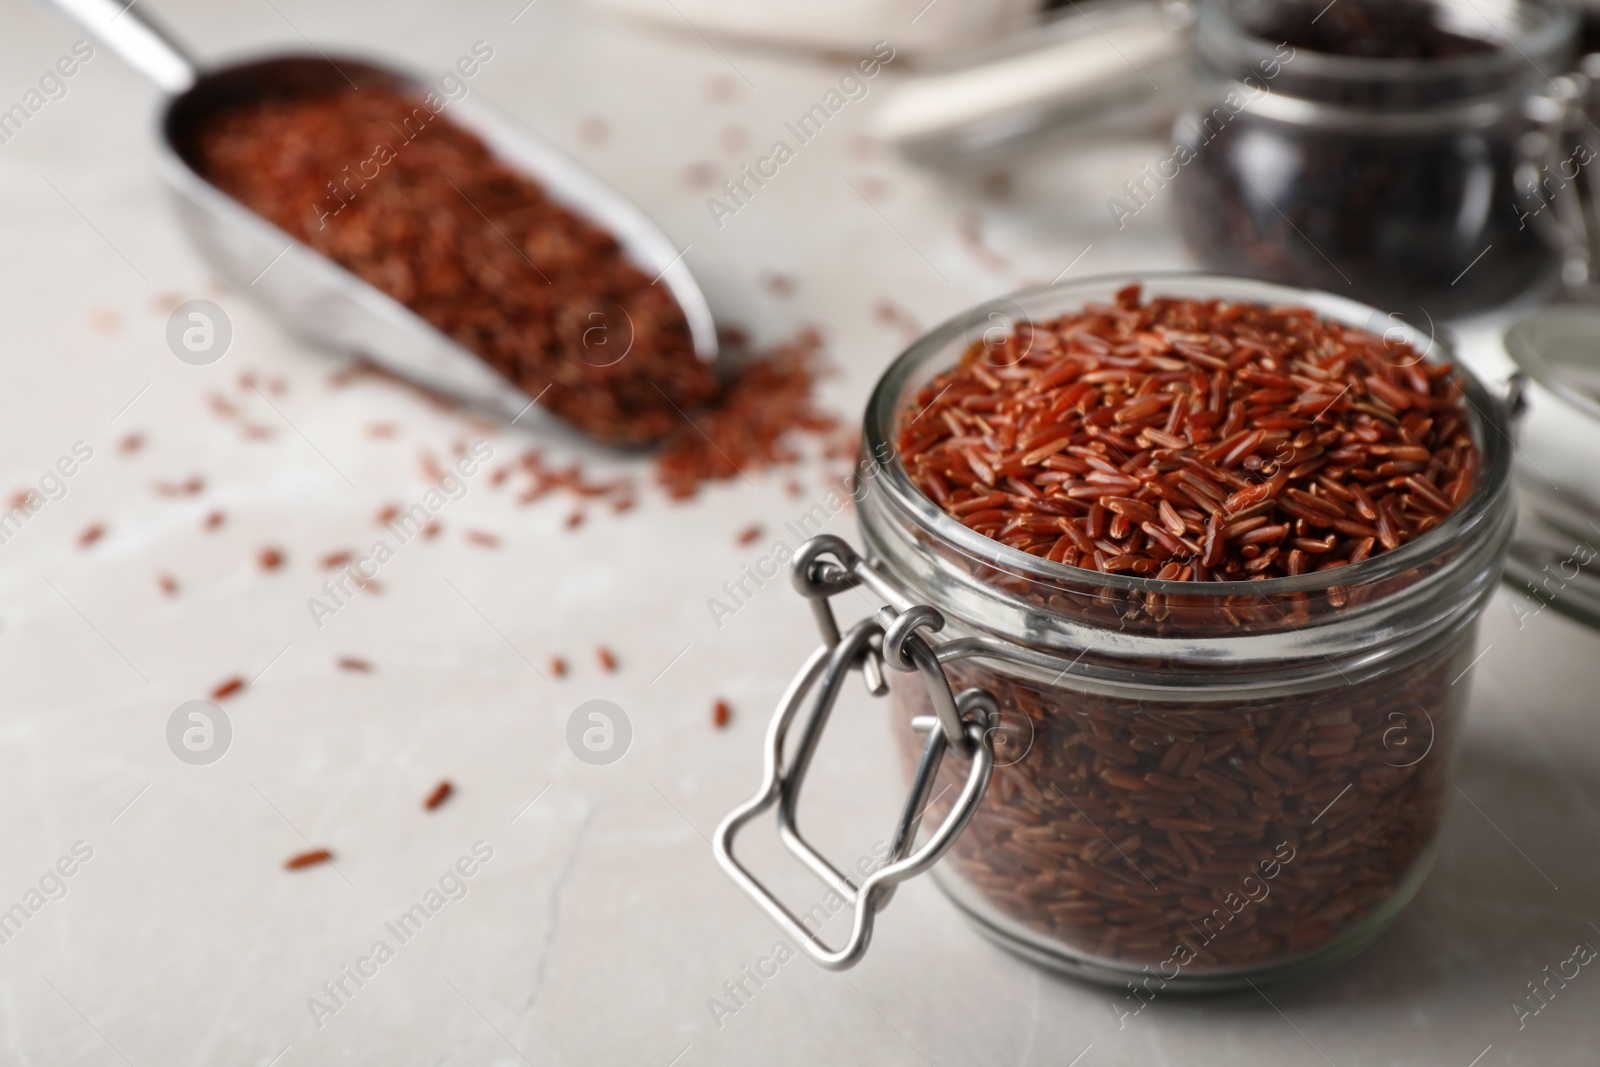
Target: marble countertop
x=580 y=916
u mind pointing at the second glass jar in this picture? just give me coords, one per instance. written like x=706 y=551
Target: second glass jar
x=1369 y=149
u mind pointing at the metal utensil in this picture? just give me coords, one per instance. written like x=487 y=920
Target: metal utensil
x=1099 y=66
x=315 y=298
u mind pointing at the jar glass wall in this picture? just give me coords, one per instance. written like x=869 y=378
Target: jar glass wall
x=1232 y=779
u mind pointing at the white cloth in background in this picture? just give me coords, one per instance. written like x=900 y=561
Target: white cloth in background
x=912 y=26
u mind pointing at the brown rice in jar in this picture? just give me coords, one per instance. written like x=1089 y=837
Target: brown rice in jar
x=1206 y=776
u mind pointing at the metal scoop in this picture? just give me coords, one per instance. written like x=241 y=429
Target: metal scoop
x=314 y=297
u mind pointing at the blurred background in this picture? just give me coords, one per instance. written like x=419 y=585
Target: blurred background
x=182 y=517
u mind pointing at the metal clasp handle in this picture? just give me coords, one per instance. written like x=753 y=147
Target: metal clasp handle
x=1555 y=159
x=963 y=723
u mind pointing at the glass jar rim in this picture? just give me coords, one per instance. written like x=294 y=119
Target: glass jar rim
x=1490 y=427
x=1220 y=35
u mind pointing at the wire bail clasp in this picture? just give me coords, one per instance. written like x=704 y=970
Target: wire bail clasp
x=823 y=567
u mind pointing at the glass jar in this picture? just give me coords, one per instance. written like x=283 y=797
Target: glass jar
x=1386 y=175
x=1554 y=405
x=1189 y=785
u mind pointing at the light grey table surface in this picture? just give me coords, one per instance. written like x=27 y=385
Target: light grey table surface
x=601 y=929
